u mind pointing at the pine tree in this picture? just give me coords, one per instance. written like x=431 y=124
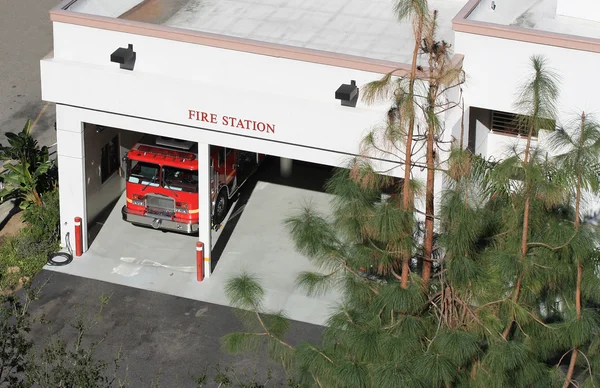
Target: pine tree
x=580 y=157
x=513 y=254
x=537 y=105
x=442 y=76
x=402 y=116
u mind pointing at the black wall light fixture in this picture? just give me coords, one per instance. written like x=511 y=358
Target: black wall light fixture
x=348 y=94
x=124 y=56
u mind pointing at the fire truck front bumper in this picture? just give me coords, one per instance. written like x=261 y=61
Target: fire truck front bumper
x=158 y=222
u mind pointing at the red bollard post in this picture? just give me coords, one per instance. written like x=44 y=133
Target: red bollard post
x=78 y=237
x=200 y=260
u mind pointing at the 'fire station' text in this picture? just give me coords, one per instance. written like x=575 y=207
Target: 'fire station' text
x=231 y=121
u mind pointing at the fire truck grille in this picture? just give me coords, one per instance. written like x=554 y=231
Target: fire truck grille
x=160 y=205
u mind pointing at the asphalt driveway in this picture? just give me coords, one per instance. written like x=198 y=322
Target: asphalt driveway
x=164 y=338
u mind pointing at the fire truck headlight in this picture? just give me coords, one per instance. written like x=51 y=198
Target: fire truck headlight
x=138 y=200
x=181 y=207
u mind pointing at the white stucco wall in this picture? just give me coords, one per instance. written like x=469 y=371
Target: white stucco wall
x=171 y=78
x=70 y=155
x=496 y=67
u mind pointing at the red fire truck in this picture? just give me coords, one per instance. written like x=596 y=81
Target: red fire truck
x=162 y=183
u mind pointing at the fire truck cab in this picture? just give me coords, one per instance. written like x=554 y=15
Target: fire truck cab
x=162 y=183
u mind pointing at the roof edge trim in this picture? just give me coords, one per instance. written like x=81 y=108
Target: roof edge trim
x=60 y=14
x=461 y=23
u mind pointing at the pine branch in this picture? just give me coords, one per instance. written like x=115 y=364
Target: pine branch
x=569 y=376
x=551 y=247
x=322 y=354
x=561 y=358
x=268 y=332
x=349 y=318
x=358 y=276
x=384 y=152
x=316 y=380
x=398 y=277
x=589 y=364
x=521 y=328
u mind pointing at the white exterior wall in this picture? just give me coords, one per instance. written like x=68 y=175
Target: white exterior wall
x=172 y=77
x=496 y=67
x=71 y=174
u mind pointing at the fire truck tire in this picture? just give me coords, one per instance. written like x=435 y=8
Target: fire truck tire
x=221 y=207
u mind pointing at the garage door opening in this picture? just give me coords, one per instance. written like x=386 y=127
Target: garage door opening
x=124 y=172
x=104 y=172
x=251 y=238
x=277 y=193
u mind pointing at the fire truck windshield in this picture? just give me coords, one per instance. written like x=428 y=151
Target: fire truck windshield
x=180 y=179
x=143 y=173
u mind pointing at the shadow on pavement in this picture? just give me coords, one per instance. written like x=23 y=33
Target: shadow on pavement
x=307 y=176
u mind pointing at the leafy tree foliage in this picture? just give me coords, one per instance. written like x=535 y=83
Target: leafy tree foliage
x=30 y=170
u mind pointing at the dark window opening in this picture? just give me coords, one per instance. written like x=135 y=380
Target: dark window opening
x=509 y=123
x=109 y=159
x=505 y=122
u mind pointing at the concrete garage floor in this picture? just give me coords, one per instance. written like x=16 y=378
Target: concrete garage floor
x=253 y=240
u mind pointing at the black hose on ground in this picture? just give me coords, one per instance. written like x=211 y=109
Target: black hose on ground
x=66 y=257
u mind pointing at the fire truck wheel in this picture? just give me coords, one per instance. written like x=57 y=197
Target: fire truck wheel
x=220 y=207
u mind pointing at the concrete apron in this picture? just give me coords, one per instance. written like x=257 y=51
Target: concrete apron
x=260 y=245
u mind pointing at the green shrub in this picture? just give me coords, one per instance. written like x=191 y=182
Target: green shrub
x=28 y=255
x=30 y=171
x=8 y=259
x=29 y=249
x=43 y=221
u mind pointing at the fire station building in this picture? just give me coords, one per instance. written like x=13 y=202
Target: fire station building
x=283 y=78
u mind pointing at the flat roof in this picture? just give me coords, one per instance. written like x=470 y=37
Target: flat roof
x=535 y=14
x=367 y=29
